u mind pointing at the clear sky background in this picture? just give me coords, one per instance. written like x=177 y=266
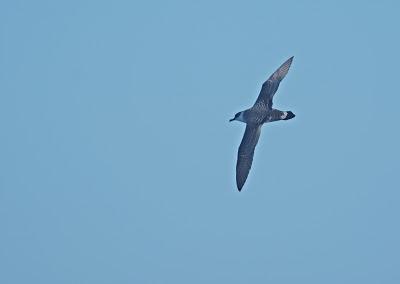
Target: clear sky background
x=117 y=160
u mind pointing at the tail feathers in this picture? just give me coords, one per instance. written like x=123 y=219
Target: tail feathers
x=289 y=115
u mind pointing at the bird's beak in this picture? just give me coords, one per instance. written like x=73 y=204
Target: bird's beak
x=231 y=119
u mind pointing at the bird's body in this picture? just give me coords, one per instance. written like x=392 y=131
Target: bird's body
x=261 y=112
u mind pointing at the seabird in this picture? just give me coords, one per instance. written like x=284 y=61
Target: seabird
x=261 y=112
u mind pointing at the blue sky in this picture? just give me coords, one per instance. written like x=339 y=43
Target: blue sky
x=118 y=160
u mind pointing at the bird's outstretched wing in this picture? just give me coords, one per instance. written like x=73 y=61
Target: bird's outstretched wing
x=246 y=153
x=270 y=86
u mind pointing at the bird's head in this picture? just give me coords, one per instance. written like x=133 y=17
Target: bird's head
x=238 y=116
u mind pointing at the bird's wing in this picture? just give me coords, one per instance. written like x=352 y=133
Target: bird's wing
x=246 y=153
x=270 y=86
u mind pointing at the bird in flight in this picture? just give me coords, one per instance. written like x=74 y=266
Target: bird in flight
x=261 y=112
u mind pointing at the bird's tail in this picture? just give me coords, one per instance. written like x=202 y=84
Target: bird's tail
x=289 y=115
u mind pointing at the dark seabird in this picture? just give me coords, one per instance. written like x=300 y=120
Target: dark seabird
x=261 y=112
